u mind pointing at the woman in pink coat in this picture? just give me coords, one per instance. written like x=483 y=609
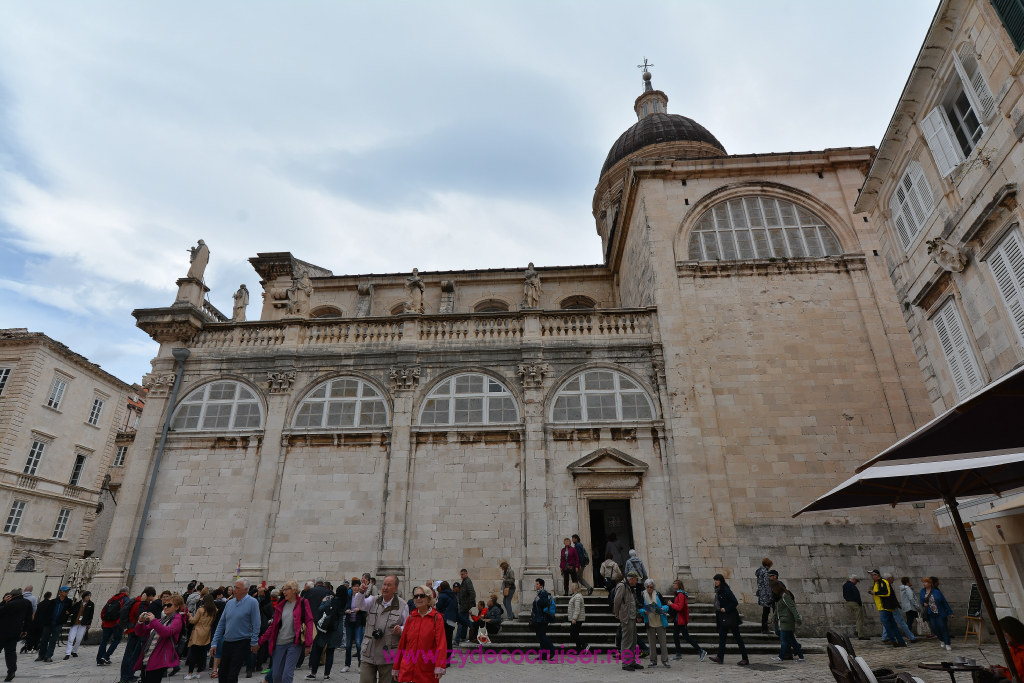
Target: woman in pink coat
x=569 y=563
x=160 y=640
x=422 y=654
x=290 y=633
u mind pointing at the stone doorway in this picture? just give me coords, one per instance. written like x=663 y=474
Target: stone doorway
x=611 y=530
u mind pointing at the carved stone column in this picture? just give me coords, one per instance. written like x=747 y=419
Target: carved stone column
x=263 y=509
x=396 y=508
x=535 y=522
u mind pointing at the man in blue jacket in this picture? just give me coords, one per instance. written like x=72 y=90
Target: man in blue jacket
x=238 y=632
x=851 y=594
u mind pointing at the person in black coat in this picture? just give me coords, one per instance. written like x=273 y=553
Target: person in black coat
x=15 y=617
x=727 y=617
x=52 y=615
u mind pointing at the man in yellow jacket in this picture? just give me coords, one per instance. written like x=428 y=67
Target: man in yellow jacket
x=886 y=601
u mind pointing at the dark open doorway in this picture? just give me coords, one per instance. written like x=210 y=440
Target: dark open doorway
x=611 y=530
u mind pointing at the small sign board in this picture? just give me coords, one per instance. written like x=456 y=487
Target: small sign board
x=974 y=602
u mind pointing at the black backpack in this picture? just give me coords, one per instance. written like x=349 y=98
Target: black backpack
x=126 y=610
x=582 y=552
x=112 y=610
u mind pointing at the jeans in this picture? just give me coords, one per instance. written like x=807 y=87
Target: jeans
x=353 y=636
x=464 y=624
x=132 y=650
x=897 y=616
x=889 y=621
x=109 y=642
x=541 y=629
x=507 y=600
x=681 y=630
x=788 y=642
x=285 y=659
x=939 y=627
x=48 y=641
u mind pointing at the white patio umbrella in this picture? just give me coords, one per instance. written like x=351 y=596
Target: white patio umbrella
x=945 y=478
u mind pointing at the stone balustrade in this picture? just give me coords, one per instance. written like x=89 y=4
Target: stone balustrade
x=411 y=329
x=45 y=487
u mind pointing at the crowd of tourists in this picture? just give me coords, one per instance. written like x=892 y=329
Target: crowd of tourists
x=229 y=630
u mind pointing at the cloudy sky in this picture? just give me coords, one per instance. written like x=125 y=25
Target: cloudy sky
x=374 y=137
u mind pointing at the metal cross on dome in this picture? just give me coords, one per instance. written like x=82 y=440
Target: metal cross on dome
x=644 y=66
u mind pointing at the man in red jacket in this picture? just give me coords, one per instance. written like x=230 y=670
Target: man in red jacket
x=110 y=619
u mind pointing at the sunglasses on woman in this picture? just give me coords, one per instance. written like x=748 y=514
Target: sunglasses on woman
x=418 y=595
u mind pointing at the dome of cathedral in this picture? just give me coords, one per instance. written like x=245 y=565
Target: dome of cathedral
x=657 y=128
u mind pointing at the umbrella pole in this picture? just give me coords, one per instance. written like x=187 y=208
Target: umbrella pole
x=972 y=561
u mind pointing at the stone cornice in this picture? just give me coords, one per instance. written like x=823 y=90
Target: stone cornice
x=767 y=267
x=25 y=338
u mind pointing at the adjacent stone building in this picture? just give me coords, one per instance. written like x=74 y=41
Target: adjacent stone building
x=737 y=353
x=60 y=418
x=943 y=192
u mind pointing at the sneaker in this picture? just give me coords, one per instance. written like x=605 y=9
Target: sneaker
x=949 y=648
x=743 y=662
x=327 y=677
x=106 y=660
x=703 y=655
x=74 y=654
x=666 y=665
x=344 y=669
x=677 y=658
x=775 y=659
x=67 y=657
x=652 y=665
x=800 y=659
x=716 y=660
x=310 y=677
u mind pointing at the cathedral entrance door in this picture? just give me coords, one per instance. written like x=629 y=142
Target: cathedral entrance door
x=611 y=530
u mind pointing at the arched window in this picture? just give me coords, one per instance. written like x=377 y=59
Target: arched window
x=326 y=312
x=469 y=399
x=342 y=402
x=577 y=302
x=491 y=306
x=760 y=228
x=219 y=405
x=595 y=395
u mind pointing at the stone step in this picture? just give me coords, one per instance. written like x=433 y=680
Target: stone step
x=497 y=643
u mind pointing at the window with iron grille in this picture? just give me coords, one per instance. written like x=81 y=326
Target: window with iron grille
x=14 y=518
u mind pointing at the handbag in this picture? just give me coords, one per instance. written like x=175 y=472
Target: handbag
x=504 y=591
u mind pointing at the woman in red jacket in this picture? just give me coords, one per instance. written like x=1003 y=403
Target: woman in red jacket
x=289 y=633
x=422 y=655
x=681 y=606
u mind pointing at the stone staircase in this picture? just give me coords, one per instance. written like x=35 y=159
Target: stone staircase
x=600 y=626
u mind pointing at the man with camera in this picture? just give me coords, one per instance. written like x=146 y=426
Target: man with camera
x=385 y=617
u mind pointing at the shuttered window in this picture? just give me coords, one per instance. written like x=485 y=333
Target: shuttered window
x=953 y=337
x=1007 y=264
x=939 y=136
x=976 y=88
x=1011 y=13
x=954 y=127
x=911 y=204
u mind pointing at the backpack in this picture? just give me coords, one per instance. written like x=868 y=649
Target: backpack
x=112 y=610
x=125 y=614
x=582 y=553
x=549 y=610
x=327 y=619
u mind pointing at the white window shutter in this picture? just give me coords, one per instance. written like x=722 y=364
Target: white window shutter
x=899 y=221
x=921 y=186
x=974 y=83
x=1007 y=264
x=939 y=135
x=955 y=346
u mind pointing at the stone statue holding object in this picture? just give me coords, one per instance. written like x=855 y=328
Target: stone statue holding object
x=299 y=293
x=241 y=301
x=414 y=293
x=531 y=288
x=199 y=257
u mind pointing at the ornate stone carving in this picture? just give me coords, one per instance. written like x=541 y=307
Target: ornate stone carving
x=532 y=374
x=413 y=293
x=280 y=382
x=947 y=256
x=158 y=384
x=241 y=301
x=657 y=372
x=405 y=377
x=294 y=298
x=447 y=297
x=531 y=288
x=365 y=300
x=199 y=257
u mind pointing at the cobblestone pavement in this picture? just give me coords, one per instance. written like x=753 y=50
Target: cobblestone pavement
x=815 y=669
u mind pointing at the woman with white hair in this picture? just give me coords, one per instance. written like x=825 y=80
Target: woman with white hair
x=577 y=615
x=655 y=614
x=290 y=632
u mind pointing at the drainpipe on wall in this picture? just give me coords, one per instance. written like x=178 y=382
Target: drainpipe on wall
x=180 y=355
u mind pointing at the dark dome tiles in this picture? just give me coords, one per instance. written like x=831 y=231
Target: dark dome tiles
x=658 y=128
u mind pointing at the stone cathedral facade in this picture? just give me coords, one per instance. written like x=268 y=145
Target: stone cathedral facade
x=738 y=353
